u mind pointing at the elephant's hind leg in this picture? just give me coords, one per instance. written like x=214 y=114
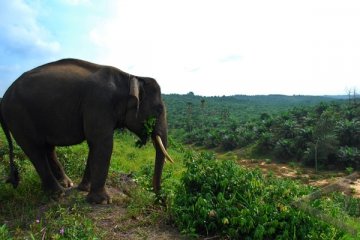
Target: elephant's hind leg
x=31 y=142
x=56 y=168
x=38 y=157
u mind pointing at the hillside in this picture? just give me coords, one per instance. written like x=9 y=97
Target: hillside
x=241 y=107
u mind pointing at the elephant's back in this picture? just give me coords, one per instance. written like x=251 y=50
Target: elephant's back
x=68 y=65
x=71 y=62
x=62 y=70
x=62 y=77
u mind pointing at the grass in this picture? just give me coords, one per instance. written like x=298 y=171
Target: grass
x=26 y=213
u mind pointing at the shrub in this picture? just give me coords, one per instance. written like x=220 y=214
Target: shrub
x=284 y=149
x=222 y=198
x=348 y=132
x=4 y=233
x=229 y=142
x=265 y=142
x=349 y=156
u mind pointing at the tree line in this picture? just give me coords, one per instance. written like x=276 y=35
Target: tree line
x=317 y=131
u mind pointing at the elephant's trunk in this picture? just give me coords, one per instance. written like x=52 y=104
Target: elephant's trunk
x=160 y=144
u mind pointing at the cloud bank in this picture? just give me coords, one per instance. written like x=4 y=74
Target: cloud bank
x=206 y=46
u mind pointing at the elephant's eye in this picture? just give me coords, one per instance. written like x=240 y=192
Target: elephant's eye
x=159 y=109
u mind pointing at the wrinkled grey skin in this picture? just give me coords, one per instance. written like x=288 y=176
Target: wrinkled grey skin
x=70 y=101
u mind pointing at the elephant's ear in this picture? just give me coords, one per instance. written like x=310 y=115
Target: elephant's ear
x=134 y=93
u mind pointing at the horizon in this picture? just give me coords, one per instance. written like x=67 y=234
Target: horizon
x=210 y=47
x=357 y=95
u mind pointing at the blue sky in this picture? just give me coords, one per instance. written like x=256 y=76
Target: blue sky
x=210 y=47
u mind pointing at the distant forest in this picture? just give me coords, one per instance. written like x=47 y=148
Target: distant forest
x=243 y=107
x=320 y=131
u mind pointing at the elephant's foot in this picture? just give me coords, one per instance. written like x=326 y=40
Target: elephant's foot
x=99 y=197
x=66 y=182
x=54 y=190
x=84 y=186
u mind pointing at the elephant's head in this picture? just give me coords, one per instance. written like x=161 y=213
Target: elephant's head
x=146 y=117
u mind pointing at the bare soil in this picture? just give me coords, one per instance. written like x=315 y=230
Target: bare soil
x=307 y=175
x=118 y=223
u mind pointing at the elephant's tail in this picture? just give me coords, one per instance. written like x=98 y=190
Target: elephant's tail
x=14 y=173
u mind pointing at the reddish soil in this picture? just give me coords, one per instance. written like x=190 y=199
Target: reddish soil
x=306 y=175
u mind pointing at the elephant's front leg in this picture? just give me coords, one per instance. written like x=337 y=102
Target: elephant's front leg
x=84 y=185
x=98 y=164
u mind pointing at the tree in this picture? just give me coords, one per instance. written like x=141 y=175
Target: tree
x=324 y=138
x=203 y=103
x=189 y=116
x=348 y=132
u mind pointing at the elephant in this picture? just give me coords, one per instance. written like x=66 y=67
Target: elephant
x=70 y=101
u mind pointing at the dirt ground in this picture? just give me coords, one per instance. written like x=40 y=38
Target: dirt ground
x=307 y=175
x=118 y=226
x=117 y=222
x=120 y=223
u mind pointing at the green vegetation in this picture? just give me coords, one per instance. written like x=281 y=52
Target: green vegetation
x=227 y=122
x=319 y=132
x=240 y=108
x=201 y=195
x=222 y=198
x=26 y=213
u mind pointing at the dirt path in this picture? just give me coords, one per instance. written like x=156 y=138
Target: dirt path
x=305 y=175
x=114 y=220
x=131 y=215
x=118 y=222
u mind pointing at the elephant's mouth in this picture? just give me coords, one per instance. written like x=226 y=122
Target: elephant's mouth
x=156 y=141
x=147 y=131
x=143 y=139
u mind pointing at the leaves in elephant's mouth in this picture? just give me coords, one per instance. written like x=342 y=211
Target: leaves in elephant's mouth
x=149 y=125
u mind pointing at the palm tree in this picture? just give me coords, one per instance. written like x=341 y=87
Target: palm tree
x=324 y=138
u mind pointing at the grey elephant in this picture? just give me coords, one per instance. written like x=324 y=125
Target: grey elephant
x=69 y=101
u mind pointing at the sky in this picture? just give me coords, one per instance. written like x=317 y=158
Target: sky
x=209 y=47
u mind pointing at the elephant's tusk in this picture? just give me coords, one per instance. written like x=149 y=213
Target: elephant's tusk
x=161 y=145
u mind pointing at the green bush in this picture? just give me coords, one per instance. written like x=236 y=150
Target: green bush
x=222 y=198
x=350 y=156
x=284 y=149
x=4 y=233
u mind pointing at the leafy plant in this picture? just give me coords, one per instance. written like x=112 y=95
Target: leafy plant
x=220 y=197
x=349 y=155
x=349 y=170
x=4 y=233
x=149 y=125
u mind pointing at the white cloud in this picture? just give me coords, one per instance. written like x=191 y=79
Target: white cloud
x=163 y=39
x=210 y=47
x=24 y=43
x=21 y=34
x=228 y=47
